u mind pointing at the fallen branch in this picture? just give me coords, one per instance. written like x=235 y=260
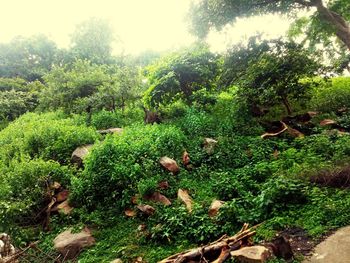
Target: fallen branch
x=269 y=134
x=15 y=256
x=222 y=246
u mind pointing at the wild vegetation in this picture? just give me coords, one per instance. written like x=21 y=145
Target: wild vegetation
x=295 y=179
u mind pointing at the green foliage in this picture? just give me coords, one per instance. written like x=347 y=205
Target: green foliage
x=17 y=97
x=171 y=223
x=24 y=188
x=27 y=58
x=114 y=167
x=84 y=87
x=48 y=136
x=180 y=74
x=206 y=15
x=92 y=40
x=269 y=73
x=104 y=120
x=332 y=95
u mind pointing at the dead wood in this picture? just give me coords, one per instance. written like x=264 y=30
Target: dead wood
x=222 y=247
x=270 y=134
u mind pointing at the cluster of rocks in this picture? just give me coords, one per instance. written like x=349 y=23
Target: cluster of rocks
x=70 y=244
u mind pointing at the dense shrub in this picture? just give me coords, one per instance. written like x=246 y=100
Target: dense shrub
x=332 y=95
x=114 y=167
x=48 y=136
x=104 y=120
x=23 y=191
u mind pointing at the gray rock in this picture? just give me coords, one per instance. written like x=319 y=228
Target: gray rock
x=70 y=245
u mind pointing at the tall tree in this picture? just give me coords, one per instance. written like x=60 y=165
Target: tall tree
x=270 y=73
x=92 y=40
x=333 y=14
x=27 y=58
x=181 y=73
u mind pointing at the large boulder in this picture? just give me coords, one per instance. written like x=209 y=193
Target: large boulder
x=254 y=254
x=79 y=154
x=71 y=244
x=169 y=164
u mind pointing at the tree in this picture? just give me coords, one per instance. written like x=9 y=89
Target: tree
x=84 y=87
x=92 y=40
x=179 y=74
x=27 y=58
x=17 y=97
x=333 y=16
x=270 y=73
x=124 y=86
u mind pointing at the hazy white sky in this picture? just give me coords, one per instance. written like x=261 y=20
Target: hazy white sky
x=141 y=24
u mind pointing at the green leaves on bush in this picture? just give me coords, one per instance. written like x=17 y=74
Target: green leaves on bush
x=115 y=167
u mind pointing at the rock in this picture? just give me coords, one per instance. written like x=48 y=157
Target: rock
x=118 y=260
x=111 y=131
x=185 y=158
x=70 y=245
x=169 y=164
x=63 y=207
x=163 y=185
x=185 y=197
x=254 y=254
x=295 y=133
x=79 y=154
x=135 y=199
x=6 y=248
x=147 y=209
x=327 y=122
x=129 y=212
x=62 y=196
x=159 y=198
x=281 y=248
x=209 y=145
x=214 y=207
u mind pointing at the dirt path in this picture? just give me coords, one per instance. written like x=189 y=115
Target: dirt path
x=334 y=249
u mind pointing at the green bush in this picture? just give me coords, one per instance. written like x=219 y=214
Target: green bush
x=104 y=120
x=116 y=166
x=24 y=190
x=332 y=95
x=48 y=136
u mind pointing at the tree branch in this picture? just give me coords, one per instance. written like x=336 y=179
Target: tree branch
x=304 y=3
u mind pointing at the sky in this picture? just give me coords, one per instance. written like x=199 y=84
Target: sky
x=157 y=25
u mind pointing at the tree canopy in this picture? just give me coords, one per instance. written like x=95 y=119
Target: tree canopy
x=270 y=73
x=92 y=40
x=181 y=73
x=331 y=18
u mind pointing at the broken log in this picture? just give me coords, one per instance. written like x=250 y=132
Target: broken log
x=221 y=247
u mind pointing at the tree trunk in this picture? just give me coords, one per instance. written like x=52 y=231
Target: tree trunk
x=287 y=105
x=341 y=26
x=123 y=104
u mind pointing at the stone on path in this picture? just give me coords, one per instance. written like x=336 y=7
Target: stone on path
x=334 y=249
